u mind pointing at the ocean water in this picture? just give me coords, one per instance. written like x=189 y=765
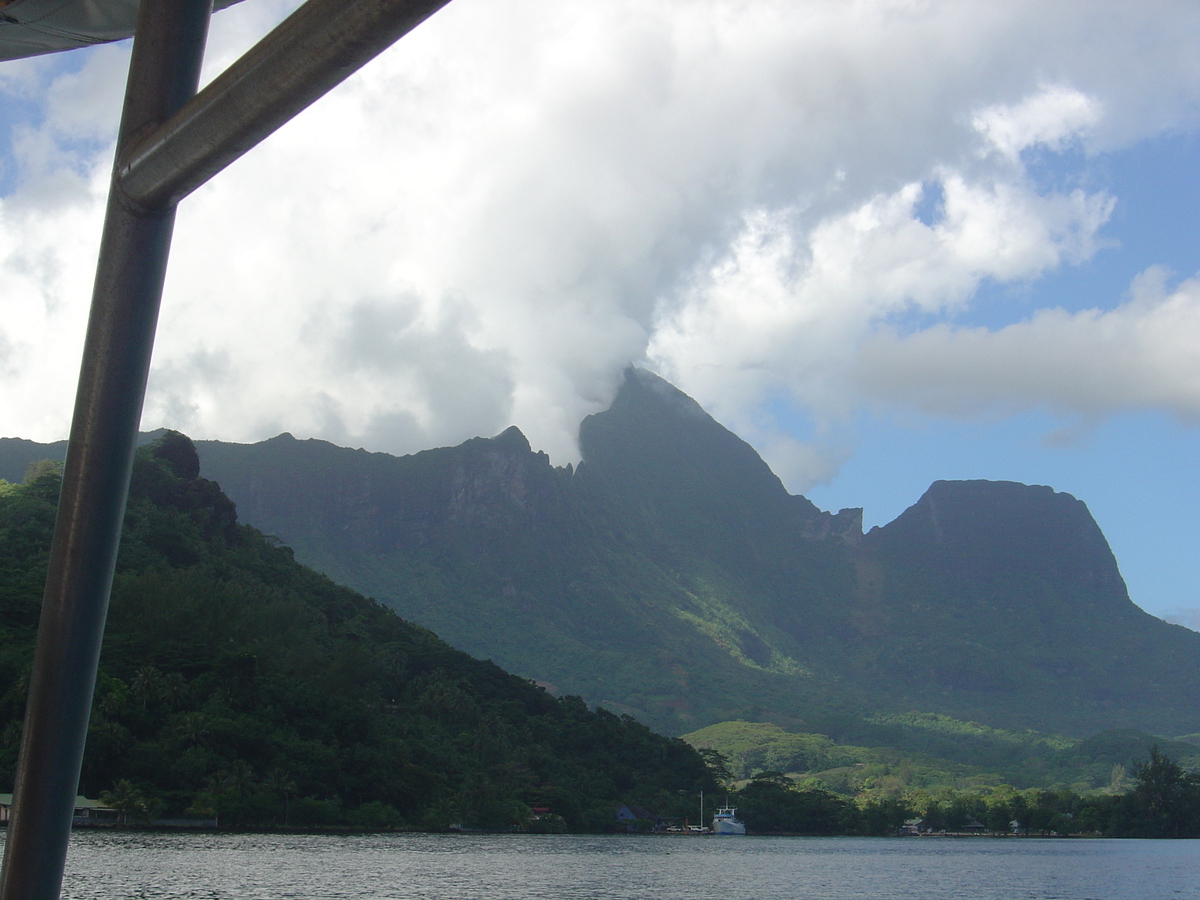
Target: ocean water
x=148 y=866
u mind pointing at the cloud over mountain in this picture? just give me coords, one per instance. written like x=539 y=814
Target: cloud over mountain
x=775 y=201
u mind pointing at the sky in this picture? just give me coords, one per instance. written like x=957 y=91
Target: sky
x=884 y=242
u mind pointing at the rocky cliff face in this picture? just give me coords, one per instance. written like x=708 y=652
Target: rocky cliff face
x=312 y=492
x=845 y=526
x=1005 y=529
x=503 y=483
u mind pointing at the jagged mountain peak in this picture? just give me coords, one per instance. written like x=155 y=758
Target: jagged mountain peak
x=656 y=443
x=1012 y=566
x=1005 y=526
x=513 y=439
x=643 y=384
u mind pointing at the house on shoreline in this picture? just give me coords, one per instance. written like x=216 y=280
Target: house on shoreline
x=87 y=811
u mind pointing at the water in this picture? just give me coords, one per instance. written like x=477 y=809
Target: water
x=149 y=866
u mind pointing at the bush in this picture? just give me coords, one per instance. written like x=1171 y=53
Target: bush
x=375 y=815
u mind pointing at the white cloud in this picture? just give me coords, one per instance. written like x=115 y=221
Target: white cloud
x=48 y=239
x=491 y=220
x=1143 y=354
x=1053 y=118
x=787 y=308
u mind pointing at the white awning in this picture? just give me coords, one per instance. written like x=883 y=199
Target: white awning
x=33 y=27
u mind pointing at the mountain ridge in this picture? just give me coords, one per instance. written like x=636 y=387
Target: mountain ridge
x=671 y=576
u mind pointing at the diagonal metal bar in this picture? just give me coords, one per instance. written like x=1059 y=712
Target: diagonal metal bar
x=163 y=74
x=309 y=53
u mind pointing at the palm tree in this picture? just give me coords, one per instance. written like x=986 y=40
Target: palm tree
x=278 y=782
x=192 y=727
x=147 y=685
x=241 y=777
x=124 y=798
x=219 y=783
x=111 y=703
x=152 y=808
x=216 y=786
x=173 y=689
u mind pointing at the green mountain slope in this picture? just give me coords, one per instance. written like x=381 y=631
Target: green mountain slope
x=489 y=543
x=1006 y=599
x=673 y=577
x=236 y=682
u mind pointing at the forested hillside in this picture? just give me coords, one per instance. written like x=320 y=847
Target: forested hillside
x=236 y=683
x=671 y=576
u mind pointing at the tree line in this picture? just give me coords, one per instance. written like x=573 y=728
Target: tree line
x=1164 y=802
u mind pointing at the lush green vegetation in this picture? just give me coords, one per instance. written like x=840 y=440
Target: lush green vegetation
x=1164 y=802
x=1117 y=783
x=671 y=576
x=974 y=642
x=1103 y=763
x=236 y=684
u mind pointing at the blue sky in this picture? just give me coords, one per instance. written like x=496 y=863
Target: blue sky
x=1136 y=470
x=885 y=242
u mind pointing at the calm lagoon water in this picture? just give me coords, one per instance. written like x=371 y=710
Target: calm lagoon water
x=515 y=867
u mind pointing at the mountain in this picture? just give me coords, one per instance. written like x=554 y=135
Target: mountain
x=236 y=683
x=671 y=576
x=1007 y=595
x=18 y=454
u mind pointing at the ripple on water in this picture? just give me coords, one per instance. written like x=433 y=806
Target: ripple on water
x=155 y=866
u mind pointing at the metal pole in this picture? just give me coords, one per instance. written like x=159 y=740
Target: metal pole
x=309 y=53
x=163 y=73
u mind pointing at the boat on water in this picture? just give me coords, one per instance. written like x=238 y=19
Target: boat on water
x=725 y=821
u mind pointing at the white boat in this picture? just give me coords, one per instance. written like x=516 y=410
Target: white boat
x=725 y=821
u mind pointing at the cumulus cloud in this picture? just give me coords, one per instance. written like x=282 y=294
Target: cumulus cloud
x=494 y=218
x=1053 y=117
x=1145 y=353
x=49 y=234
x=788 y=309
